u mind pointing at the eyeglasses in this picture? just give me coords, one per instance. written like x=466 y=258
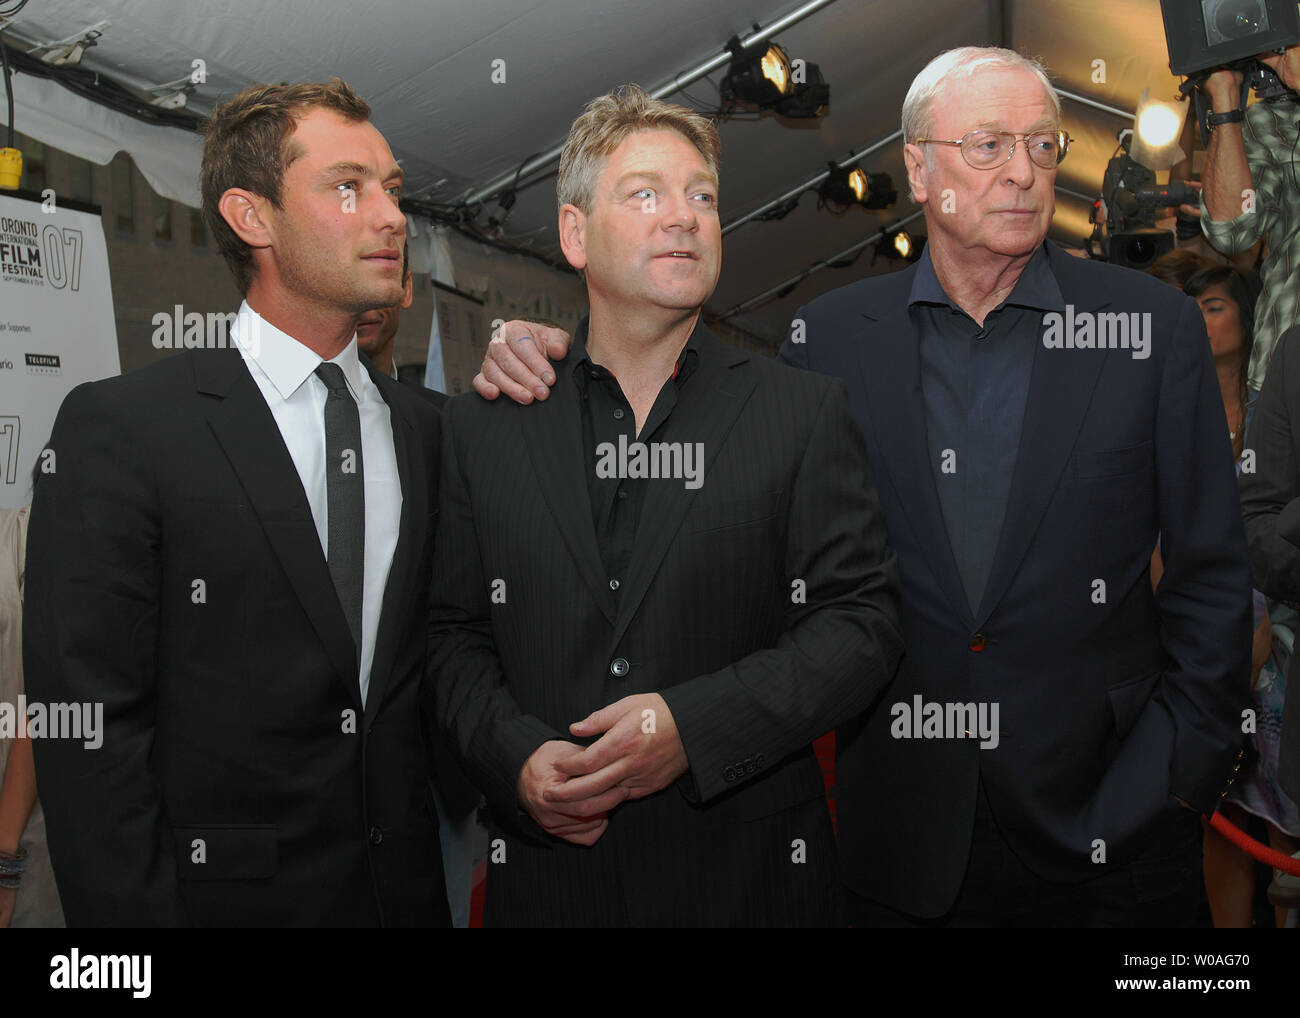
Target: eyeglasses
x=985 y=150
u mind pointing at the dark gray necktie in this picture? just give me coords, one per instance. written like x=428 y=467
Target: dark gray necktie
x=346 y=496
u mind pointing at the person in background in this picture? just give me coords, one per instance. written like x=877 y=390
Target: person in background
x=1227 y=302
x=28 y=895
x=1251 y=192
x=377 y=329
x=1178 y=266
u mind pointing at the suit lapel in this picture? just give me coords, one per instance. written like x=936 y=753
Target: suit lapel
x=1061 y=384
x=552 y=434
x=890 y=361
x=707 y=420
x=247 y=432
x=397 y=592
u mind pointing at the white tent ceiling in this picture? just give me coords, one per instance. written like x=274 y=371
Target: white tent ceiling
x=426 y=68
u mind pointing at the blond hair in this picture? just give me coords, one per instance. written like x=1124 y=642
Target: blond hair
x=607 y=121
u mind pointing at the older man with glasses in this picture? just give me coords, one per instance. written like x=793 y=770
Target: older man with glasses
x=1037 y=421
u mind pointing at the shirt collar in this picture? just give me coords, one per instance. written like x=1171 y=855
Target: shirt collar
x=686 y=362
x=1036 y=288
x=286 y=361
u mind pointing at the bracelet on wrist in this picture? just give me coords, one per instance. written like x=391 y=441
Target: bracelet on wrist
x=13 y=865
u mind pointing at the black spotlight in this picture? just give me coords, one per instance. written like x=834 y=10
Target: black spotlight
x=899 y=244
x=811 y=98
x=857 y=187
x=769 y=79
x=761 y=77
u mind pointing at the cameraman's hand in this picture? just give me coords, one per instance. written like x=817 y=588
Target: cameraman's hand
x=1286 y=65
x=1192 y=210
x=1224 y=89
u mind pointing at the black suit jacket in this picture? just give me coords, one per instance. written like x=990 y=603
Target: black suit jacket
x=762 y=607
x=240 y=781
x=1270 y=501
x=1107 y=709
x=459 y=796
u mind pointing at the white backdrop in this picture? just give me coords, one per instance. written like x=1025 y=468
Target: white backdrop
x=56 y=327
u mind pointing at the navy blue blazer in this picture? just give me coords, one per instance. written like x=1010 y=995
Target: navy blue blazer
x=1111 y=700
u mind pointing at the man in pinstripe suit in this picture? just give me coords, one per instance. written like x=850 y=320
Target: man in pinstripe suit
x=655 y=589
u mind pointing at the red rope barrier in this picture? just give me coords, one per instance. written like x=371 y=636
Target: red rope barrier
x=1265 y=854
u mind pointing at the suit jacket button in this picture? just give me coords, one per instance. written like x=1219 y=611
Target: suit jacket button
x=619 y=667
x=977 y=642
x=729 y=774
x=376 y=836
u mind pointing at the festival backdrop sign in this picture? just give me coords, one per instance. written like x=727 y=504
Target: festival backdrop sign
x=57 y=326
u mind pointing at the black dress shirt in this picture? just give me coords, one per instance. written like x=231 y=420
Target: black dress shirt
x=606 y=414
x=974 y=384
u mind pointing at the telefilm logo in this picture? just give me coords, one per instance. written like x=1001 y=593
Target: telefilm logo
x=1098 y=330
x=77 y=971
x=20 y=251
x=43 y=363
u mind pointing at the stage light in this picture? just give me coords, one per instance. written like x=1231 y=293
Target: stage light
x=759 y=78
x=770 y=80
x=898 y=244
x=811 y=97
x=1156 y=129
x=845 y=187
x=1157 y=126
x=857 y=187
x=775 y=66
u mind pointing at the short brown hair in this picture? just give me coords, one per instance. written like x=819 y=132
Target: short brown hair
x=609 y=119
x=246 y=144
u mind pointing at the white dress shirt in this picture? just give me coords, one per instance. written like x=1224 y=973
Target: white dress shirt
x=284 y=370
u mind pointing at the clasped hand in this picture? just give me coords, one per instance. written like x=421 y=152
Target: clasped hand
x=569 y=790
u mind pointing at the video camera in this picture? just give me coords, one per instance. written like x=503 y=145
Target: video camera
x=1205 y=35
x=1124 y=220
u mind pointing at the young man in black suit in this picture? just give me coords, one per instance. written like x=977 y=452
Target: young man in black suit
x=232 y=556
x=655 y=589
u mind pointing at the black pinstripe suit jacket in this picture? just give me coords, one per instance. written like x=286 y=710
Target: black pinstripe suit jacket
x=762 y=606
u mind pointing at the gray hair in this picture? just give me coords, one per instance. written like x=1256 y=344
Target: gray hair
x=954 y=64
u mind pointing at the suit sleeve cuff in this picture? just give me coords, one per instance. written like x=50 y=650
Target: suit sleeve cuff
x=520 y=740
x=1203 y=770
x=1288 y=522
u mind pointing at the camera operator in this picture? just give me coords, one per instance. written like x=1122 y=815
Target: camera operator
x=1252 y=191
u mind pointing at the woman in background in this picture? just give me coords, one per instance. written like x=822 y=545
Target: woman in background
x=28 y=896
x=1227 y=303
